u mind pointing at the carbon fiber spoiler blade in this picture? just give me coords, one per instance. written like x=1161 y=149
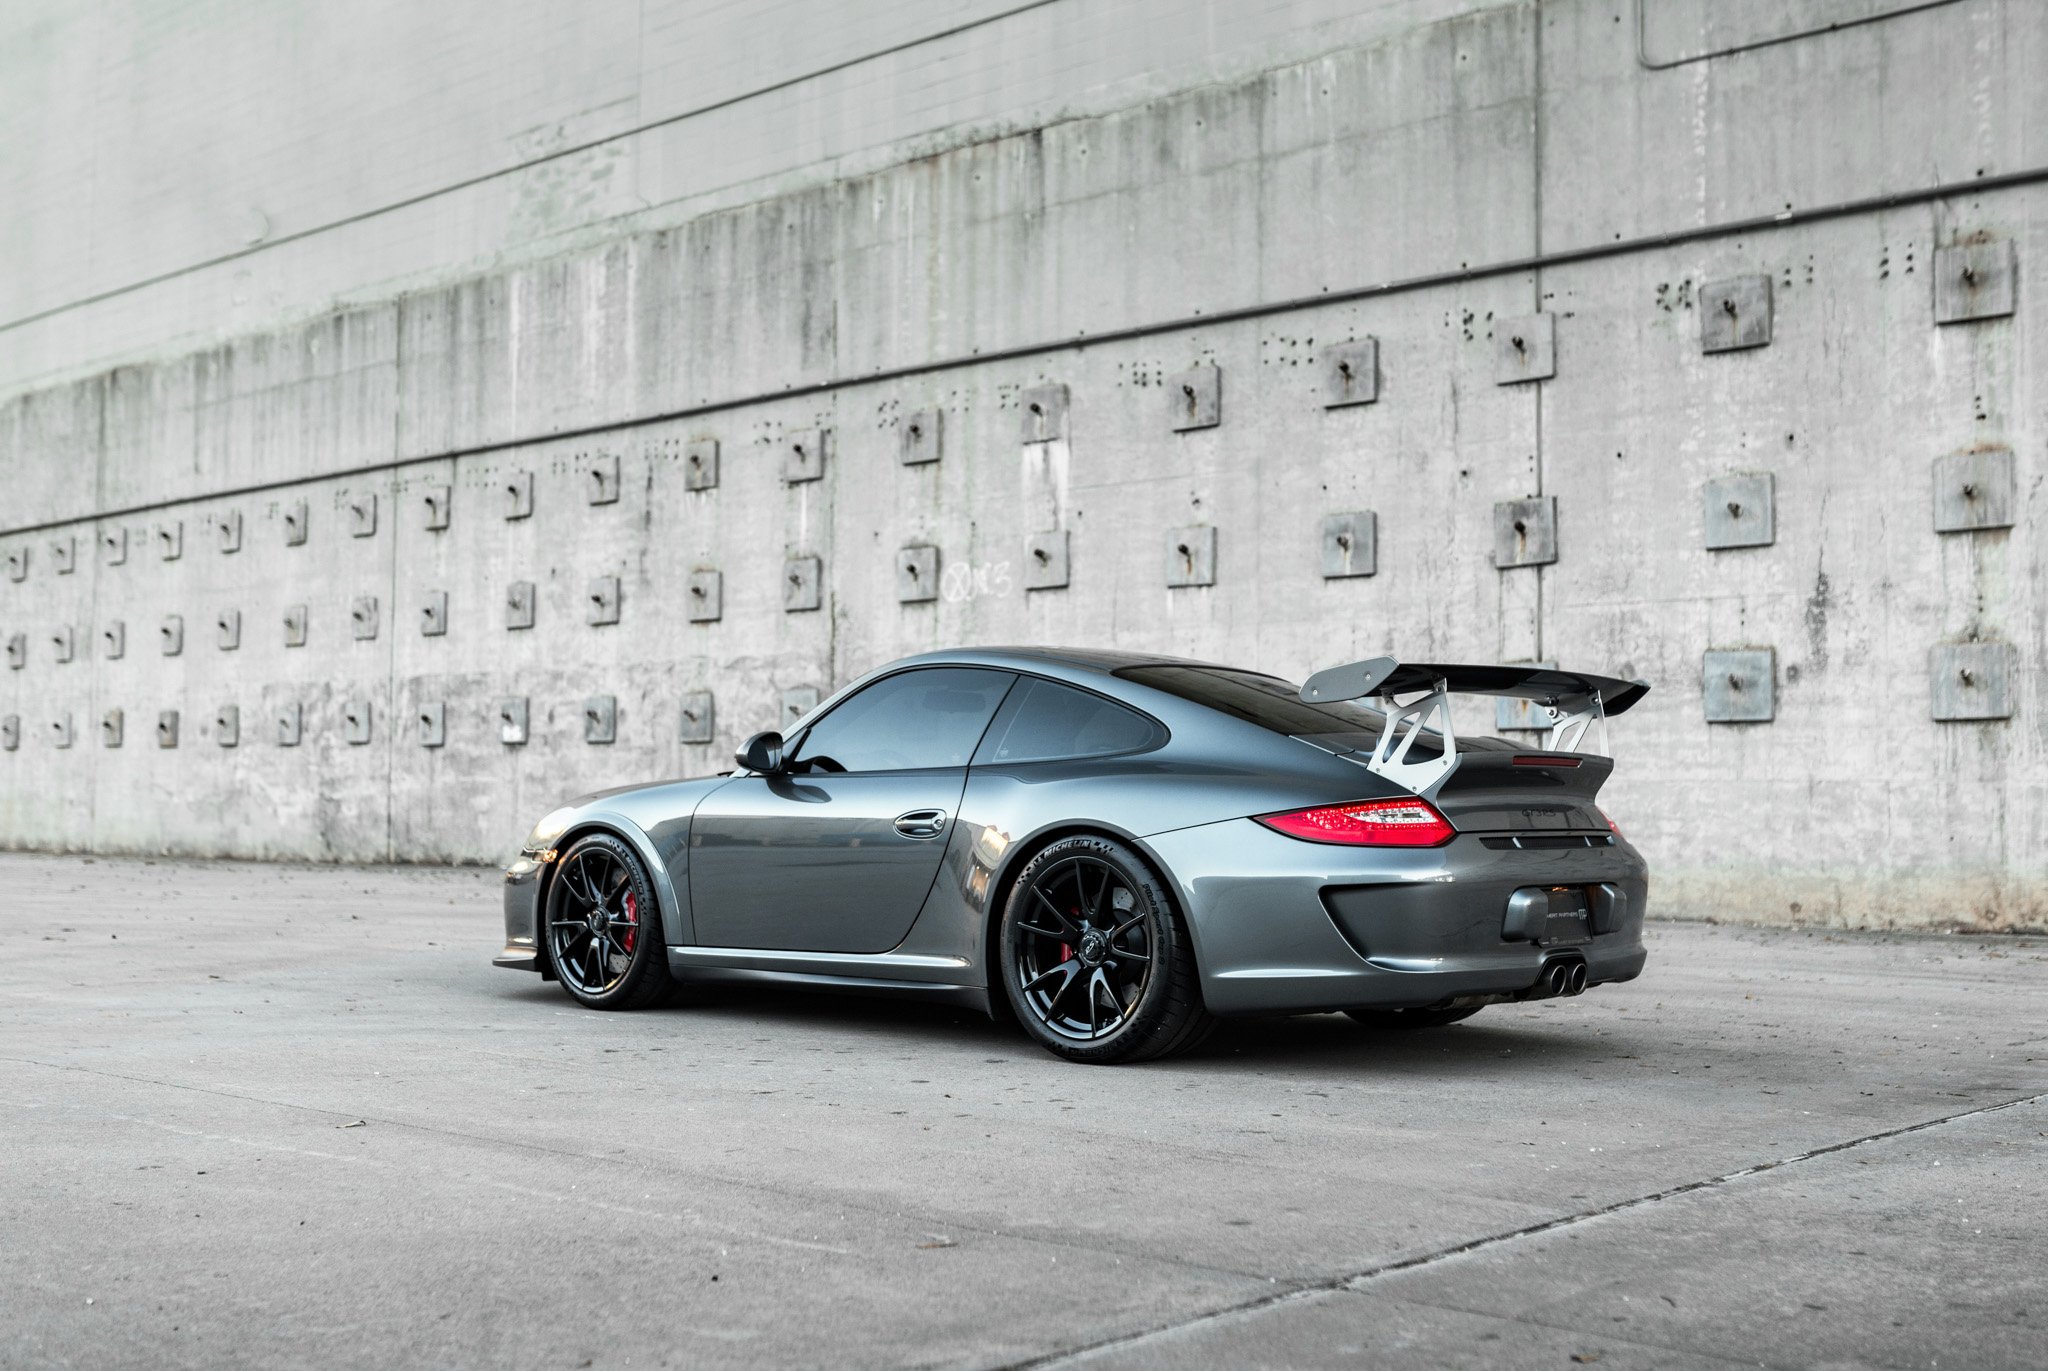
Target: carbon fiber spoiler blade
x=1544 y=685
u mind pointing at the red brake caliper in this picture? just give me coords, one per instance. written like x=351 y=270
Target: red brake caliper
x=633 y=915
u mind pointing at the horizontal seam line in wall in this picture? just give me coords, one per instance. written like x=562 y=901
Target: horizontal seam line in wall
x=1776 y=40
x=362 y=216
x=883 y=375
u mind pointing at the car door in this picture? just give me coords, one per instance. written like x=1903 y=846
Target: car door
x=837 y=853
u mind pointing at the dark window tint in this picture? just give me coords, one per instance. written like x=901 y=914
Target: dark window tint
x=1044 y=721
x=914 y=719
x=1273 y=703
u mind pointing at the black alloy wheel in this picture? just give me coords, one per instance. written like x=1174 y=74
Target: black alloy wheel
x=604 y=927
x=1095 y=963
x=1412 y=1018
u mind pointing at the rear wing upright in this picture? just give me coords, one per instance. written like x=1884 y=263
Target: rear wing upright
x=1574 y=702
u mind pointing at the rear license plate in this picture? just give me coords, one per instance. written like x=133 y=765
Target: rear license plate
x=1568 y=922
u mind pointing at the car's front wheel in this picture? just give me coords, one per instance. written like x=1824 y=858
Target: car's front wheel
x=1095 y=962
x=604 y=927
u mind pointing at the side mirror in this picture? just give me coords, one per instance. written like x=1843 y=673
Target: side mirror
x=762 y=753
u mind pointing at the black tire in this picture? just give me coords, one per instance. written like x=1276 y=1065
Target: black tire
x=1091 y=908
x=601 y=929
x=1412 y=1018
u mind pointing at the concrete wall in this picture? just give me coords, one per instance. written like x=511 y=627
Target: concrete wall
x=1489 y=165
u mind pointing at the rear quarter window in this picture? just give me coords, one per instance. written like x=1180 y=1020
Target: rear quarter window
x=1044 y=721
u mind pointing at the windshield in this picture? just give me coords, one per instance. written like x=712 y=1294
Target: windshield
x=1275 y=704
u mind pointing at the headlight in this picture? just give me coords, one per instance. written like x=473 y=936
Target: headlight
x=547 y=830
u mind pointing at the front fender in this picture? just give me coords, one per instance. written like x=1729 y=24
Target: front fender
x=667 y=866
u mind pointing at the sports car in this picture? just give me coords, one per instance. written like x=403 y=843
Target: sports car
x=1114 y=850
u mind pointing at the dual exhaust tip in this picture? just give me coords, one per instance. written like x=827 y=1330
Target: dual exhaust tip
x=1565 y=977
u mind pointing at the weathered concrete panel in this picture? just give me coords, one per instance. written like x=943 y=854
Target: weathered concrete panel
x=1477 y=143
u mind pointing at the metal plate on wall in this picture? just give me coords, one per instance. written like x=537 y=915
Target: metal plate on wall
x=10 y=732
x=227 y=725
x=114 y=546
x=519 y=605
x=917 y=574
x=295 y=626
x=432 y=719
x=437 y=501
x=17 y=651
x=1971 y=681
x=64 y=643
x=516 y=490
x=170 y=540
x=170 y=634
x=1974 y=281
x=1350 y=544
x=600 y=719
x=64 y=555
x=114 y=640
x=227 y=531
x=434 y=614
x=1524 y=349
x=60 y=730
x=601 y=600
x=362 y=617
x=112 y=726
x=1740 y=510
x=1973 y=490
x=1351 y=373
x=1191 y=556
x=355 y=722
x=512 y=718
x=1045 y=560
x=802 y=582
x=601 y=479
x=797 y=702
x=920 y=440
x=1740 y=686
x=227 y=629
x=697 y=724
x=1525 y=532
x=700 y=464
x=1043 y=411
x=290 y=720
x=17 y=564
x=295 y=523
x=1735 y=314
x=1194 y=398
x=803 y=455
x=167 y=728
x=705 y=598
x=362 y=514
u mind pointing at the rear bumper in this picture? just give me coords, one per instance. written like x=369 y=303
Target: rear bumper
x=1281 y=925
x=522 y=918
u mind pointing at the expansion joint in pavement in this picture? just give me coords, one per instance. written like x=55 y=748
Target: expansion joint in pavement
x=1360 y=1280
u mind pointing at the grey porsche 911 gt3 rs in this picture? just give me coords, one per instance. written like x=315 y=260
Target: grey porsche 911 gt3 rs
x=1115 y=849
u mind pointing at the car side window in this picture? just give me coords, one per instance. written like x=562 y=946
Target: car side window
x=1044 y=721
x=926 y=717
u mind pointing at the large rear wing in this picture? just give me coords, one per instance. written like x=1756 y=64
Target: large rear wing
x=1573 y=702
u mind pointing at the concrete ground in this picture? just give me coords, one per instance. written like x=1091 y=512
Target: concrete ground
x=292 y=1117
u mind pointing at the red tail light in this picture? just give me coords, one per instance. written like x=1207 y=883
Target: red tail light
x=1612 y=826
x=1369 y=823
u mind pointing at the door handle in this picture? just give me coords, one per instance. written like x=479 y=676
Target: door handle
x=921 y=823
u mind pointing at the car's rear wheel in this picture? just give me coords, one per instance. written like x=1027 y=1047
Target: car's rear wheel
x=1095 y=961
x=604 y=927
x=1412 y=1018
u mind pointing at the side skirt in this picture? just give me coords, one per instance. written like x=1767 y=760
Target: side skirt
x=923 y=978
